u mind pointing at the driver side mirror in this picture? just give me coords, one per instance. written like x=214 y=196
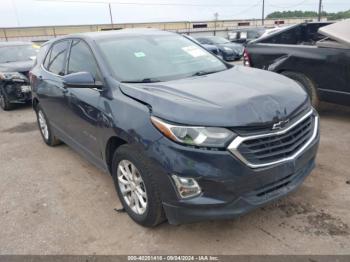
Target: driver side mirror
x=81 y=80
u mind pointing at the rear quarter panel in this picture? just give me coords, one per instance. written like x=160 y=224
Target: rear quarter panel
x=328 y=68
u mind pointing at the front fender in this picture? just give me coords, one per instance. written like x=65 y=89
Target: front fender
x=127 y=119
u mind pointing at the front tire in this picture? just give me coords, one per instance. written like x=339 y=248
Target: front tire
x=305 y=83
x=4 y=102
x=45 y=128
x=137 y=190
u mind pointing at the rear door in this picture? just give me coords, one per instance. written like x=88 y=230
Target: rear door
x=335 y=78
x=50 y=89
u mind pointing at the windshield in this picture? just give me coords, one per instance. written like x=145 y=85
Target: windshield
x=17 y=53
x=219 y=40
x=155 y=58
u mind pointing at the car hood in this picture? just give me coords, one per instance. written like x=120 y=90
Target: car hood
x=338 y=31
x=236 y=97
x=19 y=66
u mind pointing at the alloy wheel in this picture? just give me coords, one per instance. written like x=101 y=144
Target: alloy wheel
x=132 y=187
x=43 y=125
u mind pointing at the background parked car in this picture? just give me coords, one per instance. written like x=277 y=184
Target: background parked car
x=244 y=35
x=316 y=55
x=229 y=51
x=211 y=48
x=16 y=59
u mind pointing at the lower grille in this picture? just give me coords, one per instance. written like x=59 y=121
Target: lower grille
x=275 y=147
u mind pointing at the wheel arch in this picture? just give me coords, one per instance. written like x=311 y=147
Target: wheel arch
x=281 y=71
x=35 y=103
x=112 y=145
x=312 y=90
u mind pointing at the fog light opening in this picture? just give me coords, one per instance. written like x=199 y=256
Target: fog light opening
x=186 y=187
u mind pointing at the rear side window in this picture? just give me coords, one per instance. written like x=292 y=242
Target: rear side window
x=82 y=60
x=55 y=61
x=41 y=54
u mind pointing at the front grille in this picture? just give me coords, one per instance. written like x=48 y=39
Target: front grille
x=274 y=147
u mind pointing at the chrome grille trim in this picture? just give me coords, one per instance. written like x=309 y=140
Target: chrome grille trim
x=233 y=147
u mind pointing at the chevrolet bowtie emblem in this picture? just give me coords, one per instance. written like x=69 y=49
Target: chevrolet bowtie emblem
x=280 y=124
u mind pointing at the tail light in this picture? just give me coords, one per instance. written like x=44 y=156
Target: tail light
x=246 y=58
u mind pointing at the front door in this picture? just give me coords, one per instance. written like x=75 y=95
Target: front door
x=82 y=103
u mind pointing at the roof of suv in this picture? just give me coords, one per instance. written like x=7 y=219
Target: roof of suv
x=119 y=33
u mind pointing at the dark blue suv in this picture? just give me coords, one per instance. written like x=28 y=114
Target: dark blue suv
x=185 y=136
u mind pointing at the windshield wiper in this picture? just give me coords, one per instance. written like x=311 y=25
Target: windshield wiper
x=145 y=80
x=202 y=73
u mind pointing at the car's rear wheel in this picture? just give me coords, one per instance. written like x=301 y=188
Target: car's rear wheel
x=138 y=192
x=45 y=128
x=305 y=83
x=4 y=102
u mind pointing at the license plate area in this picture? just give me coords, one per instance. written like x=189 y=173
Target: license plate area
x=26 y=89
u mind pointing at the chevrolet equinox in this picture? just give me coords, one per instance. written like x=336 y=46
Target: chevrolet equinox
x=185 y=136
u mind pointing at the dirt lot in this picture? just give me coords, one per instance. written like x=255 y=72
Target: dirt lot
x=54 y=202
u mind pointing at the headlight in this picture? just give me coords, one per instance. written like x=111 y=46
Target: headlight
x=228 y=49
x=11 y=75
x=195 y=136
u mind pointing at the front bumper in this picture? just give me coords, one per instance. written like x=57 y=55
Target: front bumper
x=180 y=214
x=230 y=188
x=17 y=92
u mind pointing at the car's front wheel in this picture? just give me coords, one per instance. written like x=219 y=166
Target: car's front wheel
x=137 y=190
x=45 y=128
x=4 y=103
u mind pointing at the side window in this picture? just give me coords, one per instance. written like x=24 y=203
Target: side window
x=47 y=59
x=56 y=63
x=41 y=54
x=82 y=60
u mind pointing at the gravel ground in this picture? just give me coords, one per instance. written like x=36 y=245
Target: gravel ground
x=55 y=202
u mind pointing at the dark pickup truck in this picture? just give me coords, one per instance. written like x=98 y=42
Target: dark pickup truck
x=316 y=55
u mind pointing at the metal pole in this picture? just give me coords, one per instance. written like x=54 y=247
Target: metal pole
x=5 y=35
x=216 y=16
x=263 y=13
x=110 y=14
x=319 y=10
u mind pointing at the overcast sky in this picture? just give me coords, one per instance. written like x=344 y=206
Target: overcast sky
x=57 y=12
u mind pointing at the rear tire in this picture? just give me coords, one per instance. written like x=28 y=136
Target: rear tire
x=305 y=83
x=45 y=128
x=128 y=158
x=4 y=102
